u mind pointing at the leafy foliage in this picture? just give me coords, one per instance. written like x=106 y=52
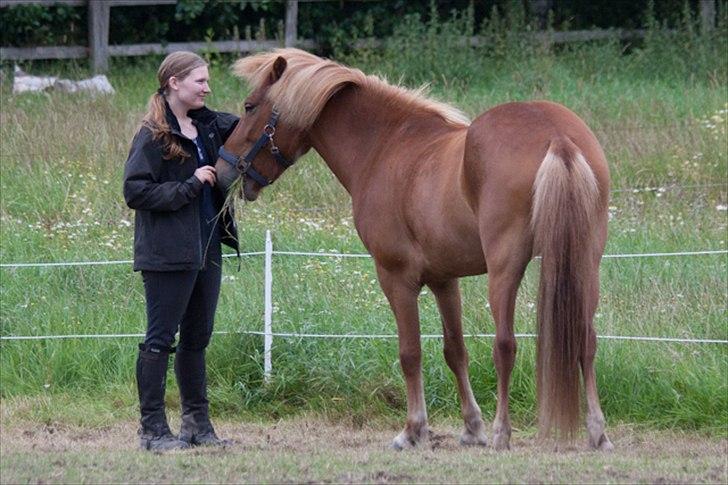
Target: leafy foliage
x=327 y=22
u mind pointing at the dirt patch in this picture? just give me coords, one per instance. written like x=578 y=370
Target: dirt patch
x=316 y=450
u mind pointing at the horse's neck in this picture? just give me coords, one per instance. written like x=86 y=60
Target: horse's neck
x=342 y=136
x=354 y=132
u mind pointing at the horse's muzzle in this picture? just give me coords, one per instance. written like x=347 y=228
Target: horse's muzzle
x=250 y=191
x=225 y=176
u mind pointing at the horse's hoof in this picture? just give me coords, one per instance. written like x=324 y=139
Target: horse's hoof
x=597 y=437
x=603 y=445
x=471 y=439
x=502 y=441
x=407 y=441
x=395 y=446
x=402 y=442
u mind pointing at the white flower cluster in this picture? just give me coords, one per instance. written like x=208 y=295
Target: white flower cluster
x=716 y=123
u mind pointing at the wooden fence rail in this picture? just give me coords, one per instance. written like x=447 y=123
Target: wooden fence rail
x=99 y=50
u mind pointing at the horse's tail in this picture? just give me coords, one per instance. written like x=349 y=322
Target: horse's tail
x=565 y=195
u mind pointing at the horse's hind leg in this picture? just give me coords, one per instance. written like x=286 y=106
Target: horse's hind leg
x=456 y=356
x=507 y=257
x=402 y=296
x=595 y=424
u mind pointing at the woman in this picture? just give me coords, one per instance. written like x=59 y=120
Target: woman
x=169 y=181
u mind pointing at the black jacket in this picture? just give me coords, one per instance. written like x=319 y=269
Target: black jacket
x=164 y=195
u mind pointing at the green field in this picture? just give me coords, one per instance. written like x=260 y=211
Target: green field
x=660 y=110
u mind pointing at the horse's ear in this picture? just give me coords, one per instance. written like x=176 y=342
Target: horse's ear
x=279 y=65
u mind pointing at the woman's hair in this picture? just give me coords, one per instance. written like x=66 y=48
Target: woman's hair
x=179 y=65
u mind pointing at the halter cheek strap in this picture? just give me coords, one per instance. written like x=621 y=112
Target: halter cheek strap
x=245 y=164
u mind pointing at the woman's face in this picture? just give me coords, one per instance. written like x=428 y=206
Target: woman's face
x=191 y=90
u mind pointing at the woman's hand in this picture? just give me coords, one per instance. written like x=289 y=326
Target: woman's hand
x=206 y=174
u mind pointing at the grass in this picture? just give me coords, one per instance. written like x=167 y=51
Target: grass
x=62 y=158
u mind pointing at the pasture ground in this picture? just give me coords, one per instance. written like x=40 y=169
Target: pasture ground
x=313 y=449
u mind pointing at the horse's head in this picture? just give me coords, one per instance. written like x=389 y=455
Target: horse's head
x=263 y=145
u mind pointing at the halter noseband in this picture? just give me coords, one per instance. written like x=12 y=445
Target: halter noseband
x=245 y=164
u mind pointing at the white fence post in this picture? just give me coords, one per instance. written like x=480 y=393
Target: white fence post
x=268 y=318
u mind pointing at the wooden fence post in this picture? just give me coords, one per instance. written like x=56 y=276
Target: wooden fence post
x=291 y=23
x=707 y=15
x=540 y=9
x=98 y=35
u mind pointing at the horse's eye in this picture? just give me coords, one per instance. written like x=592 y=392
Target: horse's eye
x=249 y=108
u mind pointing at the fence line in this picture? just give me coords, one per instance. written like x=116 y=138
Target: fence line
x=486 y=335
x=94 y=336
x=323 y=255
x=665 y=188
x=654 y=255
x=340 y=255
x=100 y=263
x=655 y=126
x=268 y=333
x=354 y=336
x=606 y=256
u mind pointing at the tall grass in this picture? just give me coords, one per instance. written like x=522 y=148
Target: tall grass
x=659 y=109
x=435 y=51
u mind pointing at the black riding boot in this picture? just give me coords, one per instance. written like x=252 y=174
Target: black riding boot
x=196 y=429
x=151 y=372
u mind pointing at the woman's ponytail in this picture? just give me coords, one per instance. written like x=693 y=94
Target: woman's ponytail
x=156 y=121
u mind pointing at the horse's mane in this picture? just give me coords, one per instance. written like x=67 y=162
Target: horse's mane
x=308 y=82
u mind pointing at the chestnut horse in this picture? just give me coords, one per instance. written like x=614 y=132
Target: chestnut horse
x=436 y=197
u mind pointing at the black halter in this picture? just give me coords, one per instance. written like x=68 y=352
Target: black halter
x=245 y=164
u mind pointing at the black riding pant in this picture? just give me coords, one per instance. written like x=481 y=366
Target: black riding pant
x=184 y=301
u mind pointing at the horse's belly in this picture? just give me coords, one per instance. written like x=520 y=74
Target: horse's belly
x=429 y=238
x=463 y=257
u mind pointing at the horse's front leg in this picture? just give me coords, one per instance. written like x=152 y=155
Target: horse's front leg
x=402 y=295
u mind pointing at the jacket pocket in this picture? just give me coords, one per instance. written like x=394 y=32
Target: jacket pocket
x=173 y=238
